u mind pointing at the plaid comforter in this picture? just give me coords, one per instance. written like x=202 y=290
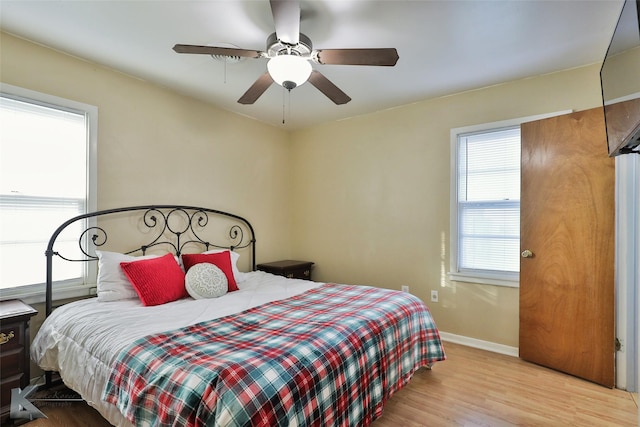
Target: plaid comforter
x=331 y=356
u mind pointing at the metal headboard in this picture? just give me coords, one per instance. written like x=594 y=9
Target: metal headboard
x=160 y=221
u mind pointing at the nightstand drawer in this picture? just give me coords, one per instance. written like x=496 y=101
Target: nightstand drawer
x=11 y=362
x=11 y=335
x=299 y=273
x=5 y=391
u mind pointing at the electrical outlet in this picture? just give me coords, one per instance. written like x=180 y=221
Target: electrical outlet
x=434 y=296
x=404 y=288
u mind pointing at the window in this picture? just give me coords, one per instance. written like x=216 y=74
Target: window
x=488 y=203
x=47 y=170
x=485 y=202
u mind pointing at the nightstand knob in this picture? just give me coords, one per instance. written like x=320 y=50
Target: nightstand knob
x=4 y=338
x=307 y=273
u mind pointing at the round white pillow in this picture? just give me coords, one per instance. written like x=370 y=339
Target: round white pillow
x=206 y=280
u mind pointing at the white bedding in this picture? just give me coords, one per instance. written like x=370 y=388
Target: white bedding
x=81 y=340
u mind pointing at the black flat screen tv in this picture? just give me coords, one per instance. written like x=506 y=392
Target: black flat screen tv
x=620 y=80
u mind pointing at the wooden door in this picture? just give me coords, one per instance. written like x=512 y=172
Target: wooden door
x=567 y=222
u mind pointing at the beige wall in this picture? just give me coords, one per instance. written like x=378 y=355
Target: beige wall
x=622 y=71
x=372 y=196
x=366 y=199
x=156 y=146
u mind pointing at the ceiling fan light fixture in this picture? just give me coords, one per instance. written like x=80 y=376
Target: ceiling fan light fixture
x=289 y=71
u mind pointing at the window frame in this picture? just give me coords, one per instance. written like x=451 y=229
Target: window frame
x=35 y=293
x=495 y=278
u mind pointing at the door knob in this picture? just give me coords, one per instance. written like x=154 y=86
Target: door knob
x=527 y=254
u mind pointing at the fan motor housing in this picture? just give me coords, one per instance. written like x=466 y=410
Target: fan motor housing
x=277 y=47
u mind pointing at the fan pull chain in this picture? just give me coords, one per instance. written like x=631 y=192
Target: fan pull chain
x=283 y=101
x=286 y=100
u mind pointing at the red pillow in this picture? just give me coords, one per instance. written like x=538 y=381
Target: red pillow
x=221 y=259
x=156 y=280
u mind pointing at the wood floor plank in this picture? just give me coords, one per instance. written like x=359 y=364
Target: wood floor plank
x=479 y=388
x=471 y=388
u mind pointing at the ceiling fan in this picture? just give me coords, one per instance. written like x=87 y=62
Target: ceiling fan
x=290 y=54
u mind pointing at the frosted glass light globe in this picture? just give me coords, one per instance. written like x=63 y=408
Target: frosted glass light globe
x=289 y=71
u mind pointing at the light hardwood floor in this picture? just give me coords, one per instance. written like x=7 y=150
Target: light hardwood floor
x=471 y=388
x=480 y=388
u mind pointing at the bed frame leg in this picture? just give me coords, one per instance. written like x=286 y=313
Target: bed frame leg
x=50 y=381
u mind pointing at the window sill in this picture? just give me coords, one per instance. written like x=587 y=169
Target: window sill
x=484 y=280
x=36 y=294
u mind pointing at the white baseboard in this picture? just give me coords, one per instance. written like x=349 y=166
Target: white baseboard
x=483 y=345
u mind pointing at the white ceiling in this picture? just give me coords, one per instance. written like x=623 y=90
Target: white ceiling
x=445 y=47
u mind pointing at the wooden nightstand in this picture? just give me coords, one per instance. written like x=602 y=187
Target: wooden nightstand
x=14 y=350
x=288 y=268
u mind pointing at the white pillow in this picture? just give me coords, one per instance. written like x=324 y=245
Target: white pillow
x=235 y=256
x=112 y=283
x=206 y=280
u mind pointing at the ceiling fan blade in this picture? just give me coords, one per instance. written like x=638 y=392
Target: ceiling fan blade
x=257 y=89
x=212 y=50
x=325 y=86
x=286 y=17
x=381 y=56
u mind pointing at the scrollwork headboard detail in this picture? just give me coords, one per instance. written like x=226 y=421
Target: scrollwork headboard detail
x=173 y=227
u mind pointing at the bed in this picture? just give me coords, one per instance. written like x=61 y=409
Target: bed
x=185 y=332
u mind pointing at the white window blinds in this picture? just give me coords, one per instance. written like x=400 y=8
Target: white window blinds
x=43 y=182
x=488 y=201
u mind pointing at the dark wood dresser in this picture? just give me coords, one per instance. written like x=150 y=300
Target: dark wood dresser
x=14 y=350
x=288 y=268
